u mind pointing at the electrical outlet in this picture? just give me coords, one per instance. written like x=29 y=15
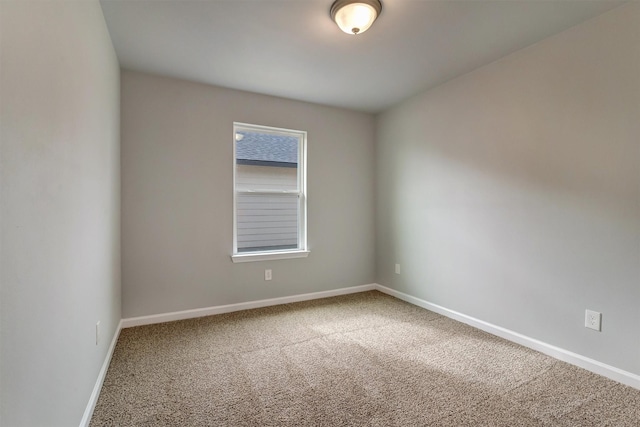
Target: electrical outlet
x=397 y=268
x=267 y=275
x=593 y=320
x=97 y=332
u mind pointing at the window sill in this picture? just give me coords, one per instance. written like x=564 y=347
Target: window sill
x=269 y=256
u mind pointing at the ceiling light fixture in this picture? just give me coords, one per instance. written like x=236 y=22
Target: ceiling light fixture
x=355 y=16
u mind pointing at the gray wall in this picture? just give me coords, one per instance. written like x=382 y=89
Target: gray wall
x=177 y=193
x=512 y=194
x=59 y=208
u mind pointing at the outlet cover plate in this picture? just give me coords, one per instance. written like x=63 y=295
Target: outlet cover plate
x=593 y=320
x=267 y=274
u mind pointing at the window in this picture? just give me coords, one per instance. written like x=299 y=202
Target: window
x=269 y=181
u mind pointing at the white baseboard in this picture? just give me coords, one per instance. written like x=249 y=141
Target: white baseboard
x=88 y=412
x=220 y=309
x=594 y=366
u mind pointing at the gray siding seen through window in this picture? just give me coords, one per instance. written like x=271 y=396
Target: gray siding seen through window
x=266 y=221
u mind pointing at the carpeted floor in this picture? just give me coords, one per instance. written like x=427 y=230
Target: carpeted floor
x=357 y=360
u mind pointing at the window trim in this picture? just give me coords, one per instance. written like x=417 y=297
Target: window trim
x=269 y=256
x=302 y=251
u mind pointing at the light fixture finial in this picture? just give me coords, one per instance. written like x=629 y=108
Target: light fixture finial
x=355 y=16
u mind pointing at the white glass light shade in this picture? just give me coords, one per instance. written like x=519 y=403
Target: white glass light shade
x=355 y=17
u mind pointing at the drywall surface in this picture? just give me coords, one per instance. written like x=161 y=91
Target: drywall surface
x=512 y=194
x=177 y=196
x=59 y=208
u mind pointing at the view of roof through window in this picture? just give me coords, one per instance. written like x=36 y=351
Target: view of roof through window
x=263 y=149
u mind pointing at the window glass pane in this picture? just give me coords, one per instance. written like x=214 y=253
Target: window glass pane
x=267 y=221
x=266 y=161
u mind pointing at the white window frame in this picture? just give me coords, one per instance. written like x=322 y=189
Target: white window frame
x=302 y=251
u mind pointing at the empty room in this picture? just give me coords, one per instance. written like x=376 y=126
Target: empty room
x=319 y=213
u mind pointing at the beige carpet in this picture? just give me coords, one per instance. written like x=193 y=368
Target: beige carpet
x=357 y=360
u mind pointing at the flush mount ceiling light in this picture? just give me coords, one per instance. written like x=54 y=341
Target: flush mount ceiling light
x=355 y=16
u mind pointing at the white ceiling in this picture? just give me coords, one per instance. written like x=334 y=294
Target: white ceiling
x=292 y=49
